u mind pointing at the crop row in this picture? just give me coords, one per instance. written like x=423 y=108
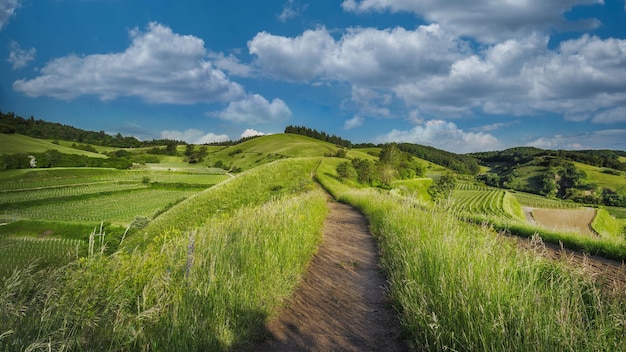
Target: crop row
x=537 y=201
x=467 y=186
x=42 y=179
x=486 y=202
x=7 y=197
x=19 y=252
x=118 y=208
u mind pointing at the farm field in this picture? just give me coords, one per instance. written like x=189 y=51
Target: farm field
x=490 y=202
x=42 y=205
x=566 y=220
x=216 y=256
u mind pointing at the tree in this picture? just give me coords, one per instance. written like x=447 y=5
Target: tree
x=366 y=171
x=442 y=188
x=346 y=171
x=189 y=150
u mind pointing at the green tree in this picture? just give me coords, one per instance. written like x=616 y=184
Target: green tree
x=346 y=171
x=442 y=188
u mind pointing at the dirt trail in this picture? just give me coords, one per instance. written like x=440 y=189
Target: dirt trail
x=341 y=303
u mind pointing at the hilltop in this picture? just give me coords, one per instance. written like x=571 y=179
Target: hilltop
x=585 y=176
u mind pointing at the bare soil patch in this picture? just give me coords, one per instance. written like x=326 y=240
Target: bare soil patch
x=570 y=220
x=341 y=304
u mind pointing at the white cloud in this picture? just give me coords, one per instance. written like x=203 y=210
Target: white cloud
x=444 y=135
x=249 y=132
x=255 y=109
x=601 y=139
x=7 y=10
x=617 y=115
x=159 y=67
x=486 y=20
x=365 y=56
x=194 y=136
x=436 y=73
x=292 y=59
x=291 y=10
x=354 y=122
x=230 y=64
x=20 y=57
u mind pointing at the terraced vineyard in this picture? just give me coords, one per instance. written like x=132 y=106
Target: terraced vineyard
x=537 y=201
x=472 y=198
x=26 y=195
x=63 y=197
x=21 y=251
x=118 y=208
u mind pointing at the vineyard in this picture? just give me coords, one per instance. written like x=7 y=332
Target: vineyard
x=118 y=208
x=21 y=251
x=537 y=201
x=15 y=196
x=491 y=202
x=83 y=195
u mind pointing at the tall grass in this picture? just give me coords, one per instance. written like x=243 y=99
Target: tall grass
x=460 y=287
x=253 y=187
x=205 y=288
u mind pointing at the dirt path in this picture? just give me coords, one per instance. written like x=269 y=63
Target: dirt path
x=341 y=304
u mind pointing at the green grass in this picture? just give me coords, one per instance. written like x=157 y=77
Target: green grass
x=119 y=208
x=537 y=201
x=602 y=179
x=210 y=288
x=488 y=202
x=20 y=252
x=417 y=187
x=288 y=176
x=17 y=143
x=461 y=287
x=265 y=149
x=605 y=224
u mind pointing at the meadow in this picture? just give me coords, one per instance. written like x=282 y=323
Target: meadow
x=210 y=286
x=463 y=287
x=217 y=256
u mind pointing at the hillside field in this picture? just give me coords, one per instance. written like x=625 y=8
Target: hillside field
x=198 y=256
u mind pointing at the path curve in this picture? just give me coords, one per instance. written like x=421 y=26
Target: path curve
x=341 y=303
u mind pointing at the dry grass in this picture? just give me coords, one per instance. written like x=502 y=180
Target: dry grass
x=568 y=220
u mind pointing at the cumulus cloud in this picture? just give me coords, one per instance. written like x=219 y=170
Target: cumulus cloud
x=255 y=109
x=366 y=56
x=444 y=135
x=19 y=57
x=159 y=66
x=7 y=10
x=194 y=136
x=437 y=73
x=486 y=20
x=249 y=132
x=354 y=122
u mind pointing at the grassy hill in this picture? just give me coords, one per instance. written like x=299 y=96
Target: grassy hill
x=265 y=149
x=17 y=143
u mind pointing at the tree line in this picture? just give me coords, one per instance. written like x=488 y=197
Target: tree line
x=320 y=135
x=36 y=128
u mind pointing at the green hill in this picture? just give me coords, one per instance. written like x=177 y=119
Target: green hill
x=265 y=149
x=17 y=143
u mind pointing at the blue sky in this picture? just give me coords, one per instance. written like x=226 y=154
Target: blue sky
x=457 y=75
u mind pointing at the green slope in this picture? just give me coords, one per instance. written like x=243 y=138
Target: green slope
x=17 y=143
x=265 y=149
